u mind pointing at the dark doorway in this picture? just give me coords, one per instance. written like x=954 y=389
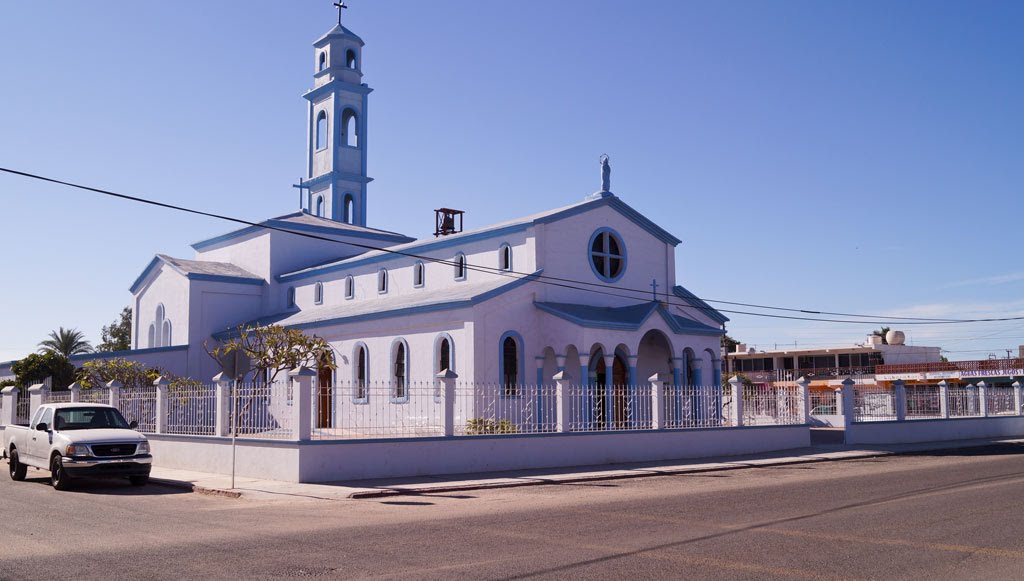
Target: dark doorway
x=325 y=377
x=619 y=393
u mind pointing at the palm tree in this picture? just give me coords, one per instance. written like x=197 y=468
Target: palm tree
x=65 y=342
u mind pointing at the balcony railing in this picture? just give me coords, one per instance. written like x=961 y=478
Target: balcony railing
x=817 y=373
x=964 y=367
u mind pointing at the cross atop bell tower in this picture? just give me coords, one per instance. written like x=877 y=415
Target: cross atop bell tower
x=336 y=170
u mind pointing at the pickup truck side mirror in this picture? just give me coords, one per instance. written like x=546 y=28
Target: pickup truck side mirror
x=42 y=427
x=134 y=425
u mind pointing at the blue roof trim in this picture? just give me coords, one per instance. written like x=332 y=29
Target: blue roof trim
x=401 y=312
x=192 y=276
x=340 y=175
x=642 y=221
x=427 y=246
x=145 y=272
x=336 y=84
x=629 y=318
x=285 y=225
x=111 y=354
x=698 y=303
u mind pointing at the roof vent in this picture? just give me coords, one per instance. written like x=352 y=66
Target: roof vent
x=447 y=221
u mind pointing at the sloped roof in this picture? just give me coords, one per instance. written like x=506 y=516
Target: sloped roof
x=628 y=318
x=339 y=31
x=307 y=223
x=697 y=303
x=199 y=270
x=351 y=311
x=428 y=244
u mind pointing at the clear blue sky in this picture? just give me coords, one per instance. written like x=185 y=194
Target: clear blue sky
x=864 y=157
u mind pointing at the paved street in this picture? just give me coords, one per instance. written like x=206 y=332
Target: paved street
x=938 y=515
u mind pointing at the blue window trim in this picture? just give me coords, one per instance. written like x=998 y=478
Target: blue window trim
x=350 y=284
x=461 y=256
x=423 y=274
x=355 y=373
x=501 y=257
x=382 y=275
x=520 y=363
x=437 y=361
x=590 y=254
x=391 y=370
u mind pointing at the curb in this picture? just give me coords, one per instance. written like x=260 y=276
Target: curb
x=189 y=486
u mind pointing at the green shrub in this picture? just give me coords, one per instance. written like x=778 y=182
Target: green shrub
x=480 y=426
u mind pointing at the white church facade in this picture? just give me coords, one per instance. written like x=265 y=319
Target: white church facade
x=589 y=288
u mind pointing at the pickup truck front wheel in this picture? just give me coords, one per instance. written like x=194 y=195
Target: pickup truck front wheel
x=18 y=470
x=58 y=476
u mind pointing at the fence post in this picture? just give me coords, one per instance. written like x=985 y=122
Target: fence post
x=76 y=392
x=944 y=399
x=8 y=410
x=222 y=403
x=848 y=395
x=805 y=399
x=901 y=400
x=447 y=378
x=658 y=400
x=1016 y=397
x=115 y=393
x=563 y=417
x=983 y=398
x=37 y=396
x=161 y=384
x=302 y=401
x=736 y=413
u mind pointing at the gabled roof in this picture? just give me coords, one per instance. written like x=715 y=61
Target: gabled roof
x=308 y=223
x=518 y=224
x=199 y=270
x=628 y=318
x=352 y=311
x=697 y=303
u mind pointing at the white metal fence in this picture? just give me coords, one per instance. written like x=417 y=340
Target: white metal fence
x=876 y=403
x=261 y=410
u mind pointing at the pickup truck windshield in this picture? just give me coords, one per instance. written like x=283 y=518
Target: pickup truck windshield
x=89 y=419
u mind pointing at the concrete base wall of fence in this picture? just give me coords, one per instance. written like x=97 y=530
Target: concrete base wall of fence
x=331 y=460
x=914 y=431
x=827 y=421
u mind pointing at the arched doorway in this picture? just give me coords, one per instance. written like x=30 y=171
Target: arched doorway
x=610 y=402
x=325 y=388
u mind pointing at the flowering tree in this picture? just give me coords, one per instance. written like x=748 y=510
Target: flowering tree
x=272 y=349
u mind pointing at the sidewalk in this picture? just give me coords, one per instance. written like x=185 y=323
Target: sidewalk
x=253 y=489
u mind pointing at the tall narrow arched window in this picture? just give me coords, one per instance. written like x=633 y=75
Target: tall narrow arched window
x=152 y=335
x=350 y=128
x=159 y=312
x=350 y=287
x=417 y=275
x=399 y=377
x=460 y=266
x=444 y=359
x=350 y=59
x=318 y=293
x=505 y=257
x=382 y=281
x=320 y=206
x=323 y=61
x=160 y=328
x=510 y=365
x=347 y=208
x=291 y=297
x=361 y=372
x=321 y=130
x=165 y=334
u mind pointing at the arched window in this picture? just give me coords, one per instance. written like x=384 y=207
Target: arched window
x=152 y=336
x=350 y=59
x=350 y=287
x=382 y=281
x=291 y=297
x=159 y=312
x=505 y=257
x=321 y=130
x=347 y=207
x=350 y=128
x=361 y=372
x=460 y=266
x=318 y=293
x=160 y=330
x=165 y=334
x=607 y=255
x=320 y=206
x=417 y=275
x=444 y=357
x=399 y=377
x=323 y=61
x=510 y=365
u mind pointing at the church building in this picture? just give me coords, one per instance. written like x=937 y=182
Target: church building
x=588 y=288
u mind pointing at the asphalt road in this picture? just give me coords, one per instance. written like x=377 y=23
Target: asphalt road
x=929 y=516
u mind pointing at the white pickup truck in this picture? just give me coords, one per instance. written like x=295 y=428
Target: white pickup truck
x=76 y=439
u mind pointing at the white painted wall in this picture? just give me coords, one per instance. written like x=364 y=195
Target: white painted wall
x=912 y=431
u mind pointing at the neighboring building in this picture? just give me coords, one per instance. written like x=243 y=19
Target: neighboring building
x=393 y=313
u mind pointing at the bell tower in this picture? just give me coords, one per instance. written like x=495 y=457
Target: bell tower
x=336 y=169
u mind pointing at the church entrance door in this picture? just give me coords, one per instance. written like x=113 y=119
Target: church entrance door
x=325 y=377
x=618 y=396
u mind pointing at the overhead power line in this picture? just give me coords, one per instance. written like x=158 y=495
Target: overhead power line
x=572 y=284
